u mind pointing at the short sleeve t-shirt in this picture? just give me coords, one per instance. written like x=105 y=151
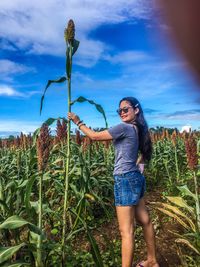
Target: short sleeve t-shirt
x=125 y=141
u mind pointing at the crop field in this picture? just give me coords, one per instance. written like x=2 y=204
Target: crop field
x=48 y=218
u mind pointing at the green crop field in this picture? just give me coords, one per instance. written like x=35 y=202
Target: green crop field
x=32 y=192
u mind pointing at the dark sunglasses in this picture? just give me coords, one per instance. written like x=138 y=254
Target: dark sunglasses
x=125 y=110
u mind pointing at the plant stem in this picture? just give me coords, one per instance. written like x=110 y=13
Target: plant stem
x=67 y=163
x=167 y=170
x=176 y=162
x=39 y=250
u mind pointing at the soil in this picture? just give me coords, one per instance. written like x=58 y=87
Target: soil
x=166 y=249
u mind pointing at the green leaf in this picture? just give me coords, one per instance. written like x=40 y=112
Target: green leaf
x=13 y=222
x=60 y=80
x=35 y=229
x=186 y=191
x=50 y=121
x=35 y=135
x=75 y=46
x=54 y=231
x=28 y=193
x=94 y=249
x=3 y=203
x=81 y=99
x=17 y=264
x=7 y=252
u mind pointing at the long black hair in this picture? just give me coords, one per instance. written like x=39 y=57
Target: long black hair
x=145 y=144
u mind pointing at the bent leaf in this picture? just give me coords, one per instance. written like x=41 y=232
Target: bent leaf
x=179 y=212
x=187 y=243
x=179 y=201
x=75 y=46
x=81 y=99
x=7 y=253
x=60 y=80
x=172 y=215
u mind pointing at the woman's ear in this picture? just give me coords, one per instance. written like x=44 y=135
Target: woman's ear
x=136 y=110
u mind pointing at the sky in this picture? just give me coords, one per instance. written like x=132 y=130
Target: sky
x=124 y=50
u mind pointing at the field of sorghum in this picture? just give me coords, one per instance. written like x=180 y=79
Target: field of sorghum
x=33 y=185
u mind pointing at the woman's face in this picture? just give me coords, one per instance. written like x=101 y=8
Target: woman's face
x=127 y=113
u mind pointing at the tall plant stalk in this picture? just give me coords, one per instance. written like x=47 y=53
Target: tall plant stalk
x=39 y=249
x=43 y=150
x=68 y=156
x=72 y=46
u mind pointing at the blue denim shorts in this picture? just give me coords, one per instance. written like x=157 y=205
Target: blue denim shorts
x=129 y=188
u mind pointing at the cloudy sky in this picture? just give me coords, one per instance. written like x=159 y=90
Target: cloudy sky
x=124 y=51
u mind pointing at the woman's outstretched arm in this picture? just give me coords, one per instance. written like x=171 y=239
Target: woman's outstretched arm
x=96 y=136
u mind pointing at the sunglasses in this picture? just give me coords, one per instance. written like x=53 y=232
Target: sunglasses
x=125 y=110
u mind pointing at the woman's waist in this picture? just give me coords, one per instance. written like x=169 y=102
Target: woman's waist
x=126 y=173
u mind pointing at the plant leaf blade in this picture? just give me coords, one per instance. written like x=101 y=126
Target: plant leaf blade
x=8 y=252
x=60 y=80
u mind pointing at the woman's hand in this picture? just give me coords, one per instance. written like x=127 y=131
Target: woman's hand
x=141 y=167
x=72 y=116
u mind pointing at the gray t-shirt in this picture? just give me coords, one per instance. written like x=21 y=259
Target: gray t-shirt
x=125 y=141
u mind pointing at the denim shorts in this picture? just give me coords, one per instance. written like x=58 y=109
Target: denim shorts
x=129 y=188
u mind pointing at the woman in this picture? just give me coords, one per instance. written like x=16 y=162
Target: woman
x=128 y=137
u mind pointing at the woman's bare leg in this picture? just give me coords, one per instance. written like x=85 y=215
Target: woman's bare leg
x=142 y=217
x=125 y=215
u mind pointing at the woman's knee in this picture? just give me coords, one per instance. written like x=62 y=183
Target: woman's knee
x=126 y=232
x=143 y=219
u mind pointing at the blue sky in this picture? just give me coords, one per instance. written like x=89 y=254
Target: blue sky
x=124 y=51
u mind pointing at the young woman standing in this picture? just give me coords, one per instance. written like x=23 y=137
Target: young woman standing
x=129 y=138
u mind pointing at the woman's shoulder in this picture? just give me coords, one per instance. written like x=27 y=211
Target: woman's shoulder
x=126 y=125
x=129 y=128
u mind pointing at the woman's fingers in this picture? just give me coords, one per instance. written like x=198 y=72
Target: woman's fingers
x=72 y=116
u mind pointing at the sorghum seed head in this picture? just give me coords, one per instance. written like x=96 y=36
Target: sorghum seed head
x=61 y=131
x=70 y=31
x=43 y=147
x=167 y=134
x=174 y=135
x=191 y=151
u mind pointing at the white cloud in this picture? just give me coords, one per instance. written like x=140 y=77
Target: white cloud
x=18 y=126
x=89 y=53
x=8 y=91
x=9 y=68
x=38 y=26
x=185 y=117
x=127 y=57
